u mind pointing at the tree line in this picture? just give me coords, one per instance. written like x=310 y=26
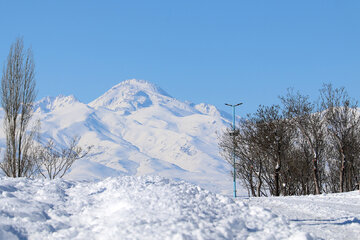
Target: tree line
x=298 y=147
x=24 y=155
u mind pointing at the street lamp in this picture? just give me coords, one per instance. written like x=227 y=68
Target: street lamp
x=234 y=134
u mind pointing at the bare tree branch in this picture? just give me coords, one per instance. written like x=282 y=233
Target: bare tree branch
x=53 y=162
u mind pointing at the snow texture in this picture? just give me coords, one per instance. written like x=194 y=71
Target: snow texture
x=328 y=216
x=147 y=207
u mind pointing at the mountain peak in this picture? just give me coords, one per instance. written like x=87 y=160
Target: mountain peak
x=141 y=85
x=48 y=103
x=130 y=95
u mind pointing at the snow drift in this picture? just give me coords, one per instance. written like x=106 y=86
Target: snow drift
x=130 y=208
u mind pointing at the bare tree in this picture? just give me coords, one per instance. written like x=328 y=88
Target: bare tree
x=311 y=131
x=252 y=157
x=343 y=129
x=275 y=141
x=263 y=147
x=17 y=97
x=52 y=162
x=249 y=162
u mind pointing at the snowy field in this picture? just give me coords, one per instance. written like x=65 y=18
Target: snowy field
x=328 y=216
x=132 y=208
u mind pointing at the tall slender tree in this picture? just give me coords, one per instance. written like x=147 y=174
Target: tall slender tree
x=17 y=96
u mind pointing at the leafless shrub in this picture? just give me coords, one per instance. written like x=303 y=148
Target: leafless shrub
x=53 y=162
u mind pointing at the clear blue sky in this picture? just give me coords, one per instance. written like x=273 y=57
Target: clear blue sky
x=200 y=51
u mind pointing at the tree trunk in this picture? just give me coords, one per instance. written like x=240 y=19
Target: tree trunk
x=342 y=171
x=260 y=182
x=316 y=176
x=252 y=187
x=277 y=179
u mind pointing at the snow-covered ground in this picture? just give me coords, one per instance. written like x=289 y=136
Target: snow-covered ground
x=328 y=216
x=130 y=207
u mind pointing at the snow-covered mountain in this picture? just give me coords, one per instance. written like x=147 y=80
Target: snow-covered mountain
x=137 y=128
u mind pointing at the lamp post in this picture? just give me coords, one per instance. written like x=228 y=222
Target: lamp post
x=234 y=134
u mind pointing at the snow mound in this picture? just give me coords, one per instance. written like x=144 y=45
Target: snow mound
x=130 y=208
